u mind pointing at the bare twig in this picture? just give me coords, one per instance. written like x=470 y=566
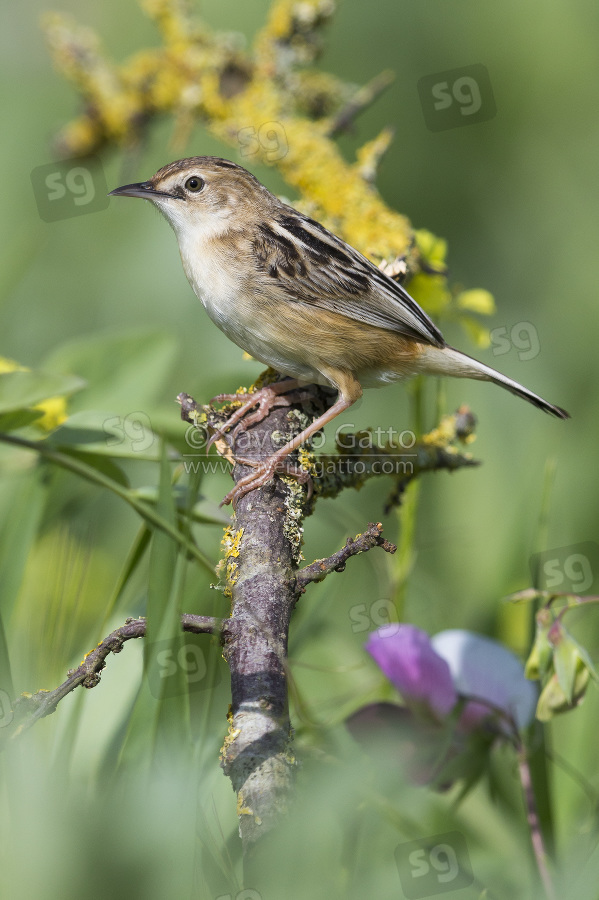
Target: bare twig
x=320 y=568
x=87 y=674
x=363 y=98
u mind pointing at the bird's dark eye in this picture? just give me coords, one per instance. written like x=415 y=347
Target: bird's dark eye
x=194 y=184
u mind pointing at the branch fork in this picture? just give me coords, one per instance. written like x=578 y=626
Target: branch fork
x=262 y=554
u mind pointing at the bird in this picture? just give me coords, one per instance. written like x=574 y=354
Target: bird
x=298 y=298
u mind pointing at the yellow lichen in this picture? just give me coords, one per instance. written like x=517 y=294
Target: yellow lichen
x=231 y=541
x=243 y=810
x=445 y=434
x=227 y=566
x=231 y=735
x=306 y=460
x=369 y=155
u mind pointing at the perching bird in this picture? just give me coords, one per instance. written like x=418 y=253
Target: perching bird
x=296 y=297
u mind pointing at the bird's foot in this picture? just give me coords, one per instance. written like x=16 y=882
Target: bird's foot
x=277 y=464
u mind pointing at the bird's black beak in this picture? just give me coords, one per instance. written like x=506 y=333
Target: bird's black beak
x=143 y=189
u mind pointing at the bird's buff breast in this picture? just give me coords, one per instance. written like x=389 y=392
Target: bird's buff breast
x=243 y=317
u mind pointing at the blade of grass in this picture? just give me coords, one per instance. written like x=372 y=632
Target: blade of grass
x=164 y=656
x=136 y=554
x=78 y=467
x=26 y=510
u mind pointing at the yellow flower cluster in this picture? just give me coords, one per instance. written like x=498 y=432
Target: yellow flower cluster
x=54 y=409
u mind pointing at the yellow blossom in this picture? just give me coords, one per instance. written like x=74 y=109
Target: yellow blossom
x=477 y=300
x=54 y=408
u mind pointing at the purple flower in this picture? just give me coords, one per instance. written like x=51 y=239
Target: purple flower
x=432 y=675
x=406 y=656
x=432 y=745
x=482 y=668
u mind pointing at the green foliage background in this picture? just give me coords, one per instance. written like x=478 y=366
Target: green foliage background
x=104 y=296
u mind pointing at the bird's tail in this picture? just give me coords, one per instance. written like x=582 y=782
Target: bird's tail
x=447 y=361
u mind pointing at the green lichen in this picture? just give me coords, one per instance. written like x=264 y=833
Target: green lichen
x=295 y=511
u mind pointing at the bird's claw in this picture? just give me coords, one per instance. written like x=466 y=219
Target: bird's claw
x=263 y=472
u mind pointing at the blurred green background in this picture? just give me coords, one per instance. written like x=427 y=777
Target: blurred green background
x=104 y=295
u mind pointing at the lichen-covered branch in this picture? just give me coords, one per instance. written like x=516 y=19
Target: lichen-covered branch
x=260 y=574
x=359 y=458
x=259 y=571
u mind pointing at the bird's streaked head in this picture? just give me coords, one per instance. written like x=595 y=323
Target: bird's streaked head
x=202 y=193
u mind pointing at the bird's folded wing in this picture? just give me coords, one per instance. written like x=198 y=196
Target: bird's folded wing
x=313 y=266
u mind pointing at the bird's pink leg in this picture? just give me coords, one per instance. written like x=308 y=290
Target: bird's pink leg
x=264 y=471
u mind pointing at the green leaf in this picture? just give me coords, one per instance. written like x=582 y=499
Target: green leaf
x=12 y=421
x=583 y=654
x=26 y=505
x=164 y=654
x=27 y=501
x=101 y=464
x=106 y=434
x=205 y=511
x=20 y=390
x=163 y=555
x=134 y=558
x=125 y=372
x=553 y=700
x=80 y=468
x=541 y=655
x=162 y=703
x=565 y=660
x=6 y=683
